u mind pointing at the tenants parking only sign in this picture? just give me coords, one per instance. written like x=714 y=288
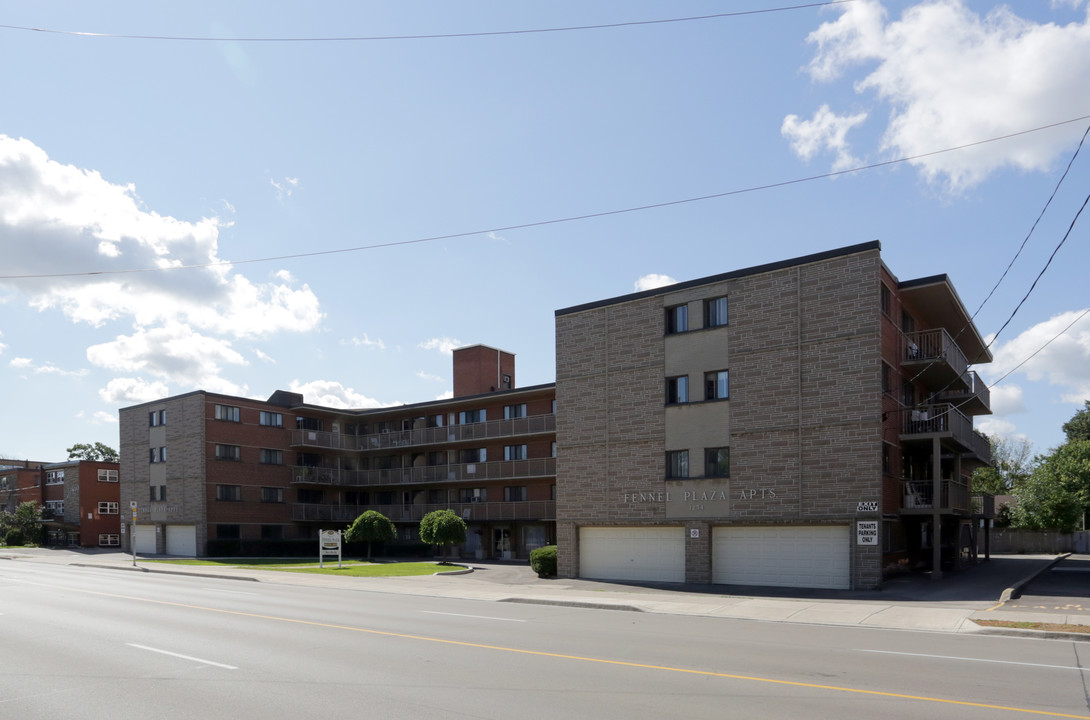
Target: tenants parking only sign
x=866 y=532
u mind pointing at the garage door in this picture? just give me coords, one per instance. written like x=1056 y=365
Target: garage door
x=800 y=556
x=632 y=553
x=144 y=537
x=182 y=540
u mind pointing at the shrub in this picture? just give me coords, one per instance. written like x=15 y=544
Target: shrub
x=14 y=537
x=543 y=561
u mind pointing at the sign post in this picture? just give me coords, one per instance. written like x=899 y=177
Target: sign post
x=132 y=535
x=329 y=543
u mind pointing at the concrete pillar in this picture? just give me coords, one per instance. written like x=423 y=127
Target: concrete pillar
x=936 y=510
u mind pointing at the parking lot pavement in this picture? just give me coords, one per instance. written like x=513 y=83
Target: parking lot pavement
x=1064 y=588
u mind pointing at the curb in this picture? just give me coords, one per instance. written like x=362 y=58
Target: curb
x=572 y=603
x=1035 y=634
x=157 y=571
x=1016 y=591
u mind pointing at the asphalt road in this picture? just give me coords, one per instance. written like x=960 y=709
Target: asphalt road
x=1063 y=588
x=96 y=643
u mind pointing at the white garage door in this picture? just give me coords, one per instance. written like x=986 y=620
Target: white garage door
x=144 y=537
x=632 y=553
x=182 y=540
x=808 y=556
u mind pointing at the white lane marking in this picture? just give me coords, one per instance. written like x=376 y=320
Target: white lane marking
x=1001 y=662
x=183 y=657
x=479 y=617
x=233 y=592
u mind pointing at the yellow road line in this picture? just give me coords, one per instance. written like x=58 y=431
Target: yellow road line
x=561 y=656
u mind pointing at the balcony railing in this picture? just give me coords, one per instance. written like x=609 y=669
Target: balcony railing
x=943 y=420
x=515 y=427
x=984 y=505
x=975 y=398
x=500 y=470
x=920 y=495
x=934 y=357
x=470 y=512
x=981 y=448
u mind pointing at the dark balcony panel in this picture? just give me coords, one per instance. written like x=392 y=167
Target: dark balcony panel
x=427 y=474
x=538 y=510
x=920 y=495
x=933 y=358
x=972 y=397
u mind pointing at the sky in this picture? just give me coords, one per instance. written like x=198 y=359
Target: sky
x=327 y=198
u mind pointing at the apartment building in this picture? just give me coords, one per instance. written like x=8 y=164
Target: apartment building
x=79 y=499
x=803 y=423
x=217 y=474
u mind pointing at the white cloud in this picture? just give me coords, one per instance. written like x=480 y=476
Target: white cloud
x=950 y=77
x=428 y=376
x=365 y=341
x=51 y=369
x=175 y=353
x=21 y=362
x=826 y=131
x=444 y=345
x=132 y=391
x=105 y=418
x=285 y=187
x=333 y=394
x=1002 y=427
x=263 y=357
x=652 y=281
x=445 y=396
x=1065 y=362
x=1006 y=399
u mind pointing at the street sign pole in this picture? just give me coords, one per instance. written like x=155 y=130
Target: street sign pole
x=132 y=535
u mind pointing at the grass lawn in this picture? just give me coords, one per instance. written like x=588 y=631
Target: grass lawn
x=353 y=568
x=1051 y=627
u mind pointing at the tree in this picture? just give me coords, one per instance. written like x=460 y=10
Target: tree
x=97 y=452
x=371 y=526
x=443 y=527
x=1057 y=493
x=1078 y=427
x=1012 y=463
x=27 y=519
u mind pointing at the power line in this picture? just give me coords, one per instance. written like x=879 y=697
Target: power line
x=438 y=36
x=1035 y=352
x=554 y=221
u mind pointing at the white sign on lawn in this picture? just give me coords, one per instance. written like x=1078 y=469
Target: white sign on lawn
x=329 y=543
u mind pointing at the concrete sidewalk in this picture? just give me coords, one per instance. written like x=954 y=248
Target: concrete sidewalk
x=909 y=603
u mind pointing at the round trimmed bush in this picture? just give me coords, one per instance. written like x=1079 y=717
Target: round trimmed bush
x=543 y=561
x=14 y=537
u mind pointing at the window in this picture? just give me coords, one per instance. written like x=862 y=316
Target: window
x=717 y=462
x=554 y=407
x=227 y=412
x=272 y=495
x=56 y=506
x=271 y=419
x=715 y=312
x=887 y=378
x=306 y=495
x=232 y=493
x=514 y=494
x=157 y=418
x=437 y=457
x=272 y=457
x=511 y=412
x=54 y=477
x=302 y=423
x=908 y=323
x=109 y=540
x=886 y=300
x=471 y=416
x=157 y=455
x=158 y=493
x=506 y=382
x=677 y=464
x=514 y=452
x=716 y=385
x=435 y=421
x=272 y=532
x=107 y=508
x=105 y=475
x=553 y=449
x=474 y=455
x=677 y=389
x=471 y=495
x=228 y=532
x=677 y=319
x=228 y=452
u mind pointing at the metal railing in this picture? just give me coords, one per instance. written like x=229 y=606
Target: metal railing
x=940 y=419
x=920 y=495
x=934 y=346
x=499 y=470
x=470 y=512
x=491 y=429
x=984 y=505
x=976 y=389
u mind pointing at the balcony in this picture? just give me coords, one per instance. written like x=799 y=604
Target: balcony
x=470 y=512
x=984 y=506
x=920 y=495
x=941 y=420
x=421 y=437
x=425 y=474
x=973 y=399
x=935 y=359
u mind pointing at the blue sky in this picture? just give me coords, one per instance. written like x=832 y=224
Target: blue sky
x=123 y=154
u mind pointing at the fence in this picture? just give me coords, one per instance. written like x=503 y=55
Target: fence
x=1007 y=540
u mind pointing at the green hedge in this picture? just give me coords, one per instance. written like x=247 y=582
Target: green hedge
x=543 y=561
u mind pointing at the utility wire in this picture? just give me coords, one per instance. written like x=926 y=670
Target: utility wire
x=554 y=221
x=439 y=36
